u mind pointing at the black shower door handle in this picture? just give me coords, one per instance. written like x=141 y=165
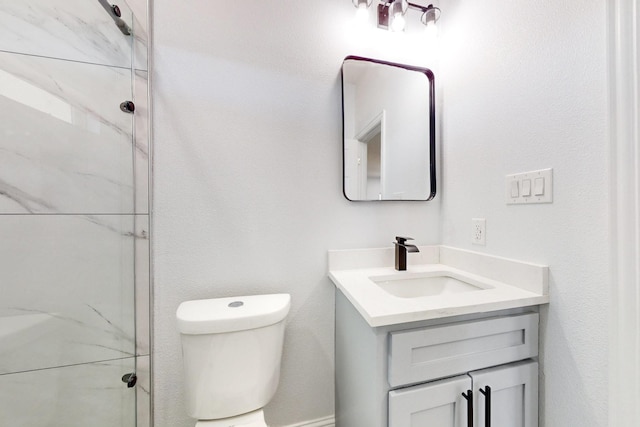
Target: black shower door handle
x=469 y=397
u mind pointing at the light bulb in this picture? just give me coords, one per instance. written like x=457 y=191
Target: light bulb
x=431 y=30
x=398 y=23
x=362 y=14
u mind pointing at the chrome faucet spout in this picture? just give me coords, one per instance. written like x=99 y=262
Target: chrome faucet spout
x=401 y=252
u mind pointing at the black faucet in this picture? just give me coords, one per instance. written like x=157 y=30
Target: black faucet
x=401 y=252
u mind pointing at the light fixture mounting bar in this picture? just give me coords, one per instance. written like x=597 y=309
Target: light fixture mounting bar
x=430 y=13
x=419 y=7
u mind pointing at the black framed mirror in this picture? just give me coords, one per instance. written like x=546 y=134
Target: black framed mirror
x=389 y=131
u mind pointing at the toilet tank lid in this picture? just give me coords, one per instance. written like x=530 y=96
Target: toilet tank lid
x=219 y=315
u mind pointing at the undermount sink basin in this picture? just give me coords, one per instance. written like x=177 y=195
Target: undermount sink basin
x=411 y=286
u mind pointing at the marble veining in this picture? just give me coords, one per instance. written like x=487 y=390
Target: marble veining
x=22 y=200
x=67 y=147
x=141 y=137
x=77 y=275
x=77 y=30
x=71 y=396
x=74 y=311
x=142 y=283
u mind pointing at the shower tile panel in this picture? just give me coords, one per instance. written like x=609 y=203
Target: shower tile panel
x=141 y=124
x=76 y=30
x=139 y=9
x=65 y=146
x=67 y=290
x=74 y=396
x=140 y=43
x=143 y=391
x=142 y=284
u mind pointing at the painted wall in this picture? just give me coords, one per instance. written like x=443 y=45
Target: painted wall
x=524 y=88
x=248 y=177
x=248 y=174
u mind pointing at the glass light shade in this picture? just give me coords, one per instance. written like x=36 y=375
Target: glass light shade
x=430 y=16
x=397 y=9
x=362 y=3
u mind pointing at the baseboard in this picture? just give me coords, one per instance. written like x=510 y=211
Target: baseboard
x=320 y=422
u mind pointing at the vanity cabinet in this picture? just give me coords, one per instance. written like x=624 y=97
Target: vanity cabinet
x=503 y=396
x=414 y=374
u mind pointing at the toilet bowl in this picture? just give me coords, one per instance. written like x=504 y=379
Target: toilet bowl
x=232 y=350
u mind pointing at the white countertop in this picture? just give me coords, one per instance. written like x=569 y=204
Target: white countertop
x=509 y=283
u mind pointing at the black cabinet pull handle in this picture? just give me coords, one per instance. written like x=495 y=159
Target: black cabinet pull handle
x=469 y=396
x=487 y=405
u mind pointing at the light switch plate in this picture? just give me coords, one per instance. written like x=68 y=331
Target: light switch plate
x=530 y=185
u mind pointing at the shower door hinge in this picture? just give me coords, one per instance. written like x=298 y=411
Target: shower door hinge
x=130 y=379
x=128 y=107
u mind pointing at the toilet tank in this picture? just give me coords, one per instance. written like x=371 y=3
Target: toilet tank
x=231 y=350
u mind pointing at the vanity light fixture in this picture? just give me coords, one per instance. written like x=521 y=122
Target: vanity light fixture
x=391 y=13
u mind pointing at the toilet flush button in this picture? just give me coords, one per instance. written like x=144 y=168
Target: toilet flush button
x=236 y=304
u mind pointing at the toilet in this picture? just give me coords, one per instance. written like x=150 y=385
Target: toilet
x=231 y=351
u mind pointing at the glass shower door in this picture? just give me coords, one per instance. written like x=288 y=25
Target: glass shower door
x=68 y=226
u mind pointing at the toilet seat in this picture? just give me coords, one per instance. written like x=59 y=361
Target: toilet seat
x=250 y=419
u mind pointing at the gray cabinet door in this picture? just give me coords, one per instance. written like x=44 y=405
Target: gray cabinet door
x=514 y=395
x=438 y=403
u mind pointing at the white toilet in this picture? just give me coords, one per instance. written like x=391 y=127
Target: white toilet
x=231 y=350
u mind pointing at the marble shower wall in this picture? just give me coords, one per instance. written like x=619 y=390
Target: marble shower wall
x=74 y=216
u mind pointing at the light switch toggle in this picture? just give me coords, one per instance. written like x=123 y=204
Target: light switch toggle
x=526 y=187
x=515 y=190
x=538 y=187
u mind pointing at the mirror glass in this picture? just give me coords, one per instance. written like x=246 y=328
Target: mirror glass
x=388 y=113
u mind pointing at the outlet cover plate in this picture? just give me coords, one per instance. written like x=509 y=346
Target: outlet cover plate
x=479 y=231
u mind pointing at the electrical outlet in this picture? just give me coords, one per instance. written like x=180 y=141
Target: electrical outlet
x=479 y=231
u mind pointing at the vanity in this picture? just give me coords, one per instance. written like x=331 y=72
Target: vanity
x=450 y=342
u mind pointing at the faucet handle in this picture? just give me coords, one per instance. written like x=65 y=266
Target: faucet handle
x=401 y=240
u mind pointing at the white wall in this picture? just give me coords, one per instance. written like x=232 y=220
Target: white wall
x=248 y=177
x=524 y=88
x=248 y=184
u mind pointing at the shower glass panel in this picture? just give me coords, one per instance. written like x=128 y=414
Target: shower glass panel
x=66 y=145
x=73 y=216
x=75 y=30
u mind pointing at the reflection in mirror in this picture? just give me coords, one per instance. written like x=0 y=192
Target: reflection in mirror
x=388 y=130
